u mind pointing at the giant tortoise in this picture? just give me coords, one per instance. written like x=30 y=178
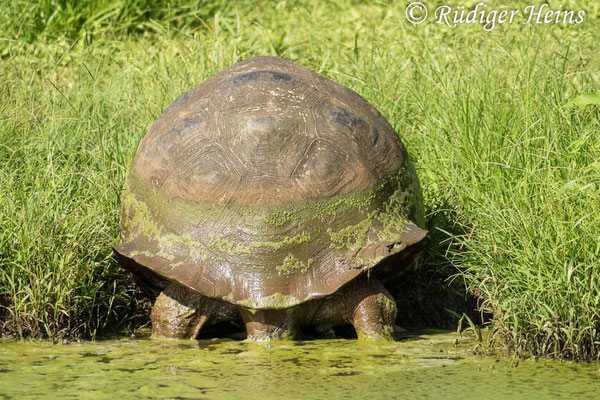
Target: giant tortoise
x=272 y=196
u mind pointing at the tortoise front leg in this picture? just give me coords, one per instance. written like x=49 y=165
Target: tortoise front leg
x=180 y=313
x=371 y=309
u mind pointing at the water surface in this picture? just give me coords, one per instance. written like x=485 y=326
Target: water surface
x=426 y=365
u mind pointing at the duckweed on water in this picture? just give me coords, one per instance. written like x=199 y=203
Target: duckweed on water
x=422 y=365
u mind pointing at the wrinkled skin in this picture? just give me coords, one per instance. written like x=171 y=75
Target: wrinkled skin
x=180 y=313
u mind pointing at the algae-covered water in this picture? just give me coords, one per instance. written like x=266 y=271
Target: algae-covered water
x=435 y=365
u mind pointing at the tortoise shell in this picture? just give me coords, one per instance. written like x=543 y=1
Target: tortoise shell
x=268 y=185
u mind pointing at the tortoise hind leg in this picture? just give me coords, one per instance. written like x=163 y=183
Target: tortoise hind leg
x=371 y=309
x=270 y=324
x=180 y=313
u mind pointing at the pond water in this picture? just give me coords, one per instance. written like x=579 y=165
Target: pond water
x=422 y=365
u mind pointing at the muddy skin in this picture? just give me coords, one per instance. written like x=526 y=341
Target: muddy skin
x=180 y=313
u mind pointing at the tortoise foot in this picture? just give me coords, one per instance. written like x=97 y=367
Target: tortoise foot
x=180 y=313
x=263 y=325
x=372 y=310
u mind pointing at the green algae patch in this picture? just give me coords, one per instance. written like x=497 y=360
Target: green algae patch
x=276 y=300
x=137 y=219
x=291 y=264
x=420 y=365
x=352 y=236
x=324 y=211
x=301 y=238
x=226 y=246
x=280 y=218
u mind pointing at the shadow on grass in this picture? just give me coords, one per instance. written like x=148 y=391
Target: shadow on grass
x=432 y=294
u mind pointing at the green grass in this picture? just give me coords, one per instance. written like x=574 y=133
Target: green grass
x=510 y=172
